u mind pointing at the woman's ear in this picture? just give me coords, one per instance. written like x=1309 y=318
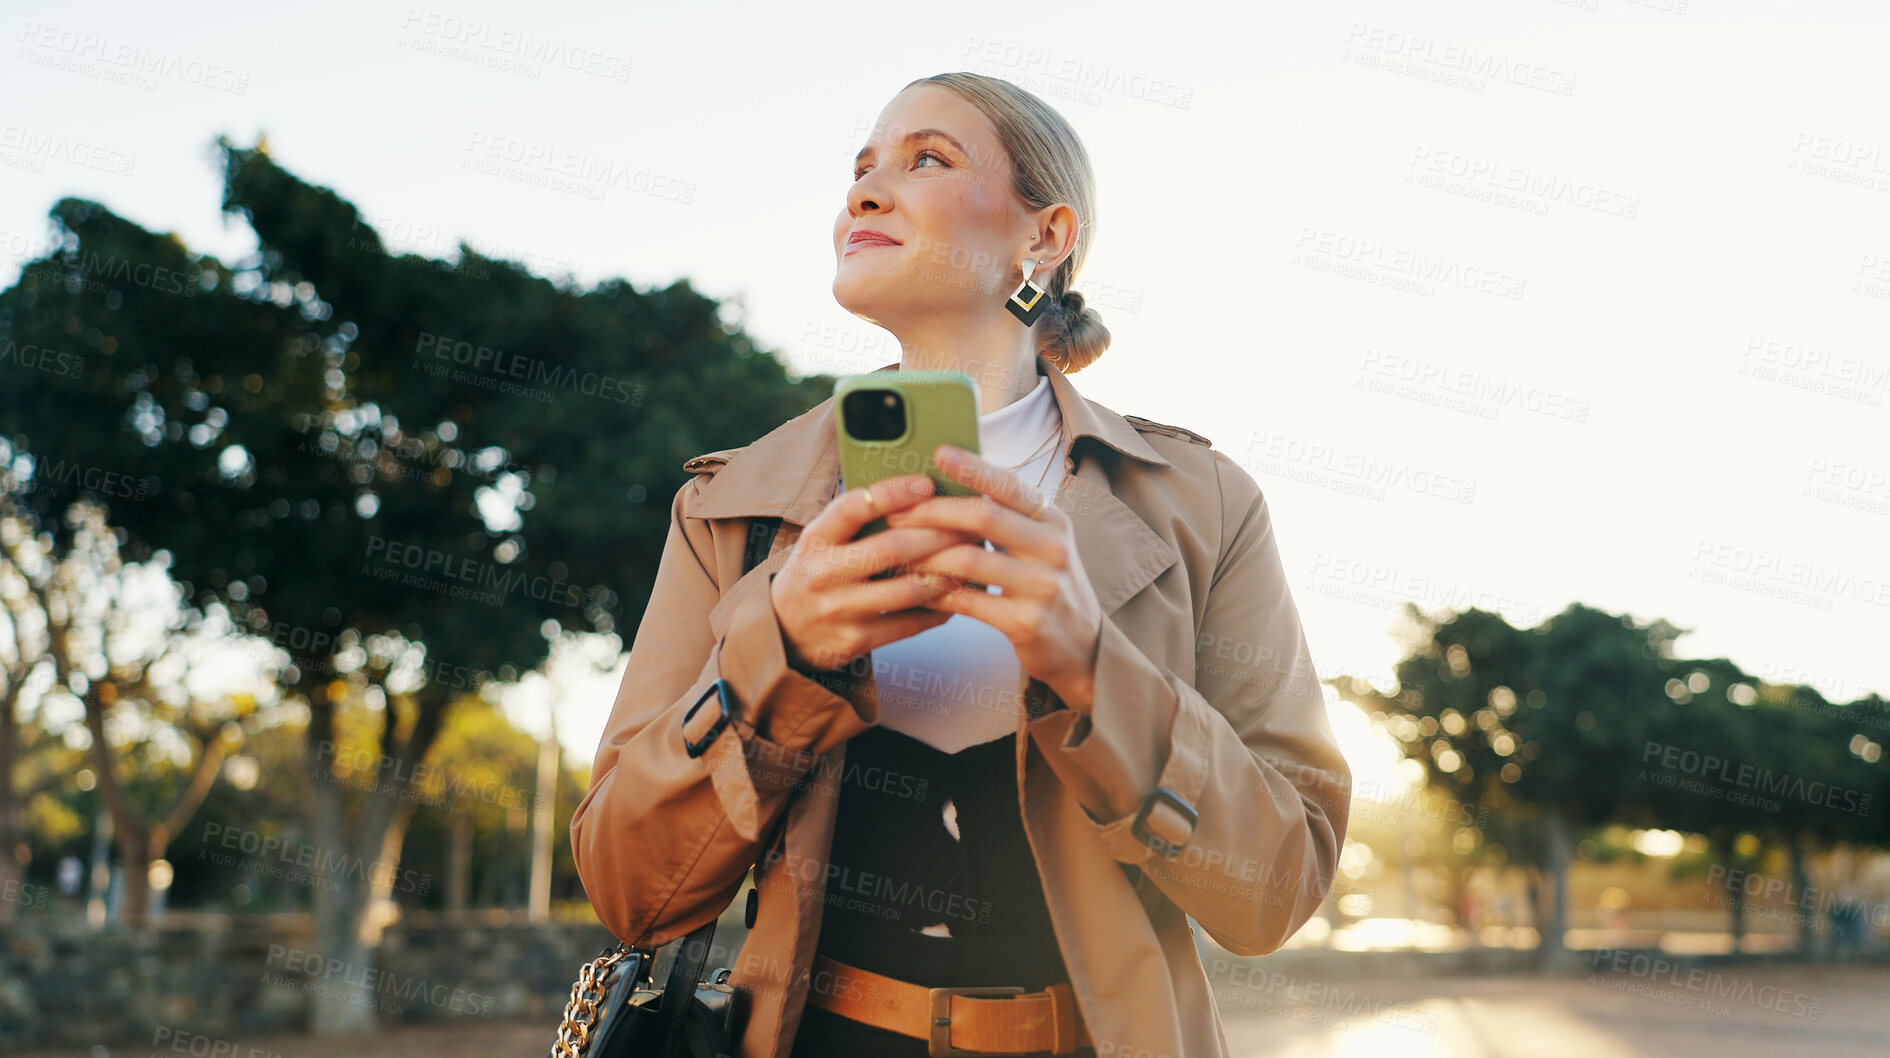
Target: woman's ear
x=1057 y=229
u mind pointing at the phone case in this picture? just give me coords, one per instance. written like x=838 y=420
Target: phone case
x=941 y=408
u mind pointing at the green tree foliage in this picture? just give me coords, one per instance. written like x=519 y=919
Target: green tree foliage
x=343 y=445
x=1590 y=718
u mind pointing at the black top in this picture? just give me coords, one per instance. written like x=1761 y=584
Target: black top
x=896 y=868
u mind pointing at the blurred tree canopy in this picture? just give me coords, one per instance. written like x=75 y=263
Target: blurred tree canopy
x=1590 y=718
x=344 y=446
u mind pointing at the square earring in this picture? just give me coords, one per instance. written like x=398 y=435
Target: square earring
x=1026 y=302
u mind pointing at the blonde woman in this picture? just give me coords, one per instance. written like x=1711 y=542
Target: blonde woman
x=980 y=818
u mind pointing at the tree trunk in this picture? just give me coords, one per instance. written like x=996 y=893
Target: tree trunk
x=345 y=931
x=1736 y=906
x=14 y=849
x=1553 y=952
x=15 y=853
x=459 y=863
x=343 y=1006
x=542 y=827
x=1801 y=884
x=134 y=850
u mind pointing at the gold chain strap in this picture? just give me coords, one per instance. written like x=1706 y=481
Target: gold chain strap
x=580 y=1014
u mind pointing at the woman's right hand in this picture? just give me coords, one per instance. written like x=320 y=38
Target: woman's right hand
x=829 y=608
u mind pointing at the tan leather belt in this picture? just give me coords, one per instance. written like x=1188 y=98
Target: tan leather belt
x=968 y=1021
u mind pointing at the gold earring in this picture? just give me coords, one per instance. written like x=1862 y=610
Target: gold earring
x=1026 y=302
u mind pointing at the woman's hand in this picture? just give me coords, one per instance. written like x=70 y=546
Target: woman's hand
x=829 y=608
x=1048 y=609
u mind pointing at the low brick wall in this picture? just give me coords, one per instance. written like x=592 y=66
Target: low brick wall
x=62 y=983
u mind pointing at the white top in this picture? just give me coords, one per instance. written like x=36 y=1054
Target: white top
x=960 y=683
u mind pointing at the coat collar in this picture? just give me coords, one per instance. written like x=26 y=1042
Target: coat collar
x=793 y=472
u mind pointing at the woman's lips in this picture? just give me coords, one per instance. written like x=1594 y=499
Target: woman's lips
x=863 y=240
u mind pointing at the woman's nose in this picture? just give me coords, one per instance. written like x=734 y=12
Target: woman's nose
x=867 y=196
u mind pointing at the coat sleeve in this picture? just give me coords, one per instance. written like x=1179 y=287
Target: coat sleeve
x=1247 y=747
x=662 y=840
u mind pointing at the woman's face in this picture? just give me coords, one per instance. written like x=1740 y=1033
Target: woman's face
x=933 y=180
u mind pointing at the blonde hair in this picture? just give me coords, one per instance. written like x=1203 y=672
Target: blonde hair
x=1048 y=165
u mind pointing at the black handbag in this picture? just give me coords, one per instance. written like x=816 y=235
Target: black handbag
x=615 y=1012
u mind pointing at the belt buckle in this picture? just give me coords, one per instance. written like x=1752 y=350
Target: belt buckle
x=941 y=998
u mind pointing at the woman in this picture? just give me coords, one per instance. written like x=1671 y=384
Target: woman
x=944 y=788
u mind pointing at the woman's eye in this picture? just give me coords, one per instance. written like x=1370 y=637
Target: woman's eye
x=934 y=155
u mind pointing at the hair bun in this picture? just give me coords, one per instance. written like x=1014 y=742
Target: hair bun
x=1080 y=339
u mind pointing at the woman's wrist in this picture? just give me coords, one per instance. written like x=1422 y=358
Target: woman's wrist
x=1077 y=688
x=1079 y=694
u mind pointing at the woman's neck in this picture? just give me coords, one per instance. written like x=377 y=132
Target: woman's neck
x=1002 y=377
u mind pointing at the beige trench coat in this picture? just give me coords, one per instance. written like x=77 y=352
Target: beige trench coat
x=1204 y=687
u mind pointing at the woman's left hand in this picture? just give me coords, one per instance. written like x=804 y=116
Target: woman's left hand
x=1048 y=609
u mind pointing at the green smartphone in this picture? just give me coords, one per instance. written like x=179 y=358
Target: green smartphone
x=890 y=423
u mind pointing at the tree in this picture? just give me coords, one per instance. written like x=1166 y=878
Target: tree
x=1545 y=725
x=341 y=451
x=33 y=763
x=156 y=744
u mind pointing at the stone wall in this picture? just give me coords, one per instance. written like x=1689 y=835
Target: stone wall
x=62 y=983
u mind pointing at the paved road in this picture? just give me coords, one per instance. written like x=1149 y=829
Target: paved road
x=1796 y=1012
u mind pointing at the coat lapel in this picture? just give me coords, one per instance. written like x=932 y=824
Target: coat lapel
x=793 y=472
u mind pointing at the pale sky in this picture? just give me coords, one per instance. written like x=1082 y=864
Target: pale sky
x=1502 y=304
